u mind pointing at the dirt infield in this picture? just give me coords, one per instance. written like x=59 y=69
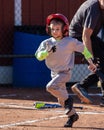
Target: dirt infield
x=17 y=111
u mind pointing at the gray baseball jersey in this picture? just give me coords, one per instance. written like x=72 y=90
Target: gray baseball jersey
x=63 y=58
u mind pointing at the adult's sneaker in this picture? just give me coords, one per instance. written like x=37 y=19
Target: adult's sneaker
x=71 y=120
x=81 y=93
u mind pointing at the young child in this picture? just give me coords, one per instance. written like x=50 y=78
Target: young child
x=59 y=53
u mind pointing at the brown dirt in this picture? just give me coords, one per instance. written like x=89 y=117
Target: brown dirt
x=17 y=111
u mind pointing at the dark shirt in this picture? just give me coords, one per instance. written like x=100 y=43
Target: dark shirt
x=89 y=15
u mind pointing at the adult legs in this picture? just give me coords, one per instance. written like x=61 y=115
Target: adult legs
x=98 y=49
x=81 y=89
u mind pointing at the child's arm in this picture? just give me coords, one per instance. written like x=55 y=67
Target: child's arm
x=43 y=52
x=41 y=55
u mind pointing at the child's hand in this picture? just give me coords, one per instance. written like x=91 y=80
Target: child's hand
x=50 y=48
x=92 y=67
x=42 y=55
x=53 y=49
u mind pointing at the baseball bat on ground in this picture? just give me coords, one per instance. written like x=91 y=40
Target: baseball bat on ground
x=43 y=105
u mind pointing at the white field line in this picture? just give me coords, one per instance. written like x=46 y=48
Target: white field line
x=18 y=106
x=39 y=120
x=11 y=105
x=30 y=121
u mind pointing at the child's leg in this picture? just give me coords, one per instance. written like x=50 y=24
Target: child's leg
x=57 y=86
x=70 y=111
x=71 y=120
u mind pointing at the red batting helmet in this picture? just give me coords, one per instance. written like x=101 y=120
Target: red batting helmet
x=61 y=17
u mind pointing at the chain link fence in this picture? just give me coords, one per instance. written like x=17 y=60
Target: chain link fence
x=8 y=56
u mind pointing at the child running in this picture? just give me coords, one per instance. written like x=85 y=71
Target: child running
x=58 y=51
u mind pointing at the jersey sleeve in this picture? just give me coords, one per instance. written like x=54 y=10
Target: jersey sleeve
x=41 y=53
x=78 y=46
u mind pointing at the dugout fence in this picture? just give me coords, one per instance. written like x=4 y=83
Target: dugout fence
x=24 y=70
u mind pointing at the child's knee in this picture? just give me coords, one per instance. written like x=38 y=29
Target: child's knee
x=51 y=88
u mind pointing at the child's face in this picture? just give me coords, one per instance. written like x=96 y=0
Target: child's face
x=56 y=31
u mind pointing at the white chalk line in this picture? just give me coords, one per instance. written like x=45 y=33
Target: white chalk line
x=18 y=106
x=43 y=119
x=11 y=105
x=39 y=120
x=30 y=121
